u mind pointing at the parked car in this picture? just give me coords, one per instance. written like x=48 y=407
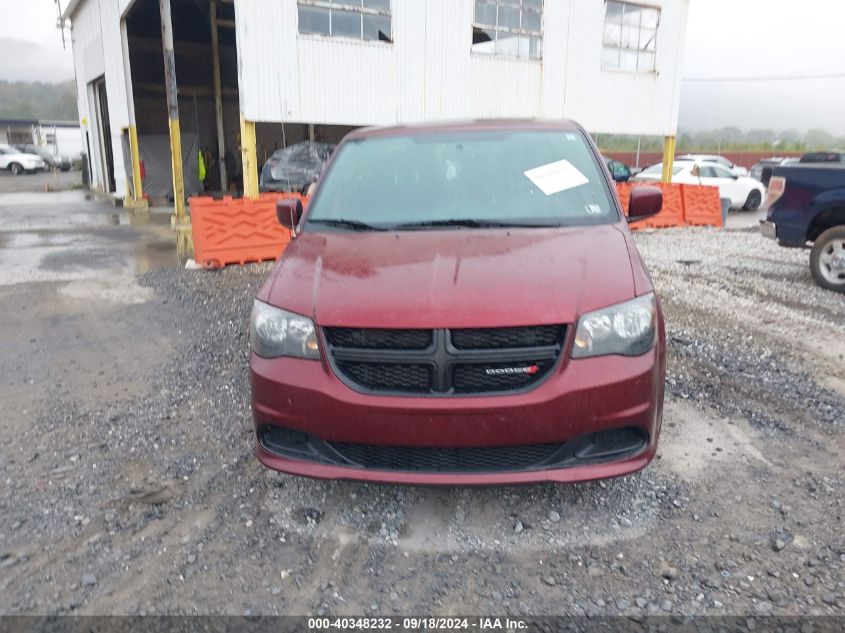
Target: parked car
x=736 y=170
x=823 y=157
x=18 y=162
x=744 y=192
x=619 y=171
x=807 y=207
x=460 y=304
x=757 y=169
x=64 y=163
x=295 y=167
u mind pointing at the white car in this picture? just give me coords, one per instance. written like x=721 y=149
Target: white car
x=744 y=192
x=17 y=162
x=736 y=170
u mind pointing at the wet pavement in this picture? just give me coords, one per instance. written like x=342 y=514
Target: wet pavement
x=64 y=236
x=41 y=181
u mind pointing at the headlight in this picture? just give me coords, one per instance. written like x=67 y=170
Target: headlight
x=274 y=332
x=628 y=329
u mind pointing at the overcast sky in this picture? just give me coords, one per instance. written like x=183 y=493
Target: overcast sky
x=30 y=43
x=741 y=38
x=725 y=38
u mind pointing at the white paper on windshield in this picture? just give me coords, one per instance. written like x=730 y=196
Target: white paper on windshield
x=556 y=177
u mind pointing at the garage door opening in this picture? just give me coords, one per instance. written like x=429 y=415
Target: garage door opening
x=209 y=110
x=101 y=111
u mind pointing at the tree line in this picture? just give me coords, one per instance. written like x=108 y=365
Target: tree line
x=38 y=100
x=728 y=139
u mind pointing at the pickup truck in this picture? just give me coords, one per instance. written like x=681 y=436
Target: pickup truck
x=807 y=210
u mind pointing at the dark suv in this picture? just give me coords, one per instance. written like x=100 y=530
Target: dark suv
x=461 y=304
x=63 y=163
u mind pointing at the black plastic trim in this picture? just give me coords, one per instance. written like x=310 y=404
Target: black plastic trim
x=444 y=357
x=580 y=451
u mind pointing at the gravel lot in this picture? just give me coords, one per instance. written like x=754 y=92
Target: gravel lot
x=130 y=486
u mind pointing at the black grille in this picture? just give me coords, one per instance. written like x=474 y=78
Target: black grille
x=481 y=377
x=388 y=376
x=472 y=459
x=602 y=446
x=444 y=362
x=507 y=337
x=378 y=339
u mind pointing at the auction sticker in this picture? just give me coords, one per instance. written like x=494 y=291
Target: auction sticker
x=556 y=177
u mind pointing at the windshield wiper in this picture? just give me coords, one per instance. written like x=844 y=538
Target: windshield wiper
x=354 y=225
x=467 y=222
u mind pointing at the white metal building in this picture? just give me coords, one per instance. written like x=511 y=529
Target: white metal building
x=59 y=137
x=613 y=66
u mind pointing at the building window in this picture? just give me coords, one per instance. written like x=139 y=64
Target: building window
x=508 y=27
x=630 y=36
x=355 y=19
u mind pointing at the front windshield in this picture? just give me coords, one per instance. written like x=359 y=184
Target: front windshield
x=498 y=177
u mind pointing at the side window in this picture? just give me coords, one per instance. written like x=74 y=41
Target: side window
x=722 y=173
x=508 y=27
x=355 y=19
x=630 y=37
x=707 y=171
x=620 y=170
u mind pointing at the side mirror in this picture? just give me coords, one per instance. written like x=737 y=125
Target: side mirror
x=644 y=202
x=696 y=171
x=289 y=213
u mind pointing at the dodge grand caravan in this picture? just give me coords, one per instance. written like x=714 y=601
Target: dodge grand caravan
x=460 y=304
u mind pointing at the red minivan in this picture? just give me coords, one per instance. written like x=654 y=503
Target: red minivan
x=460 y=304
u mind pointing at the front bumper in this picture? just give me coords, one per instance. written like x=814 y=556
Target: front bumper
x=580 y=398
x=768 y=229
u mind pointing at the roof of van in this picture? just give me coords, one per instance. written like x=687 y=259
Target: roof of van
x=466 y=126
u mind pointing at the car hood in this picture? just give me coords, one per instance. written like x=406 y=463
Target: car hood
x=452 y=278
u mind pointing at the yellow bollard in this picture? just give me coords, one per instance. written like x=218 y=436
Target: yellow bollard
x=668 y=158
x=249 y=158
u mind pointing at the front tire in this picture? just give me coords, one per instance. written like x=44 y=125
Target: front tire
x=16 y=169
x=827 y=259
x=752 y=203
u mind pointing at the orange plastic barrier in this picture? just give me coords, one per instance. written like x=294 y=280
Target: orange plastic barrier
x=672 y=213
x=623 y=190
x=694 y=205
x=272 y=195
x=236 y=230
x=702 y=206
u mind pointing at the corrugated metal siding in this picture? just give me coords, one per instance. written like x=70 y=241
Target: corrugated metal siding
x=85 y=31
x=115 y=86
x=429 y=72
x=95 y=33
x=329 y=96
x=622 y=102
x=447 y=79
x=505 y=87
